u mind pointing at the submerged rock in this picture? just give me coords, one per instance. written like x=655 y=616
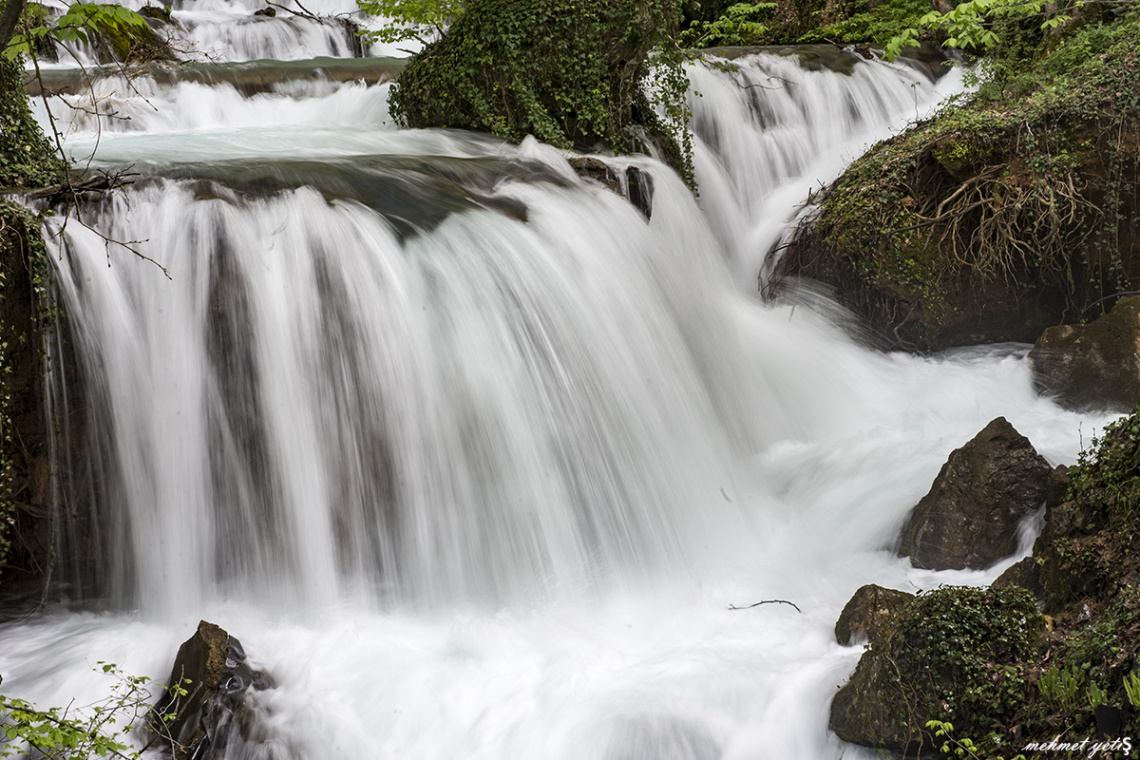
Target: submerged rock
x=205 y=702
x=969 y=518
x=868 y=612
x=1093 y=366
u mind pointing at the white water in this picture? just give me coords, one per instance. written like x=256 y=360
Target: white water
x=488 y=491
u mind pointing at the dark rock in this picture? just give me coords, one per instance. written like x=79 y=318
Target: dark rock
x=635 y=185
x=1025 y=574
x=268 y=12
x=212 y=671
x=1094 y=366
x=867 y=612
x=970 y=516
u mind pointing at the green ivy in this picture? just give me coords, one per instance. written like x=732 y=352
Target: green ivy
x=569 y=72
x=27 y=159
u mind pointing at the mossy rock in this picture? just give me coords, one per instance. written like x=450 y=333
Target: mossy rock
x=1000 y=217
x=567 y=71
x=954 y=654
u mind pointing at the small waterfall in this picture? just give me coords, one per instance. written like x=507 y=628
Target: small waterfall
x=769 y=133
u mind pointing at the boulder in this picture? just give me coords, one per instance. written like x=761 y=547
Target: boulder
x=943 y=656
x=205 y=702
x=867 y=613
x=969 y=518
x=633 y=184
x=1094 y=366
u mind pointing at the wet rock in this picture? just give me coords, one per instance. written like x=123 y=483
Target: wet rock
x=1094 y=366
x=1025 y=574
x=867 y=613
x=268 y=12
x=633 y=184
x=204 y=710
x=969 y=518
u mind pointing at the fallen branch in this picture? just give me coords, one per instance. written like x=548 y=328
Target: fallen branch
x=766 y=601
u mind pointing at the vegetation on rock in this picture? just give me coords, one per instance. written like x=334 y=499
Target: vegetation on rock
x=955 y=654
x=983 y=660
x=1009 y=212
x=569 y=72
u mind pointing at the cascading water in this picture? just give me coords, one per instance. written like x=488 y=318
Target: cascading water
x=472 y=456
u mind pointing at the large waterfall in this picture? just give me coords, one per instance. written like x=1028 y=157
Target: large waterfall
x=469 y=453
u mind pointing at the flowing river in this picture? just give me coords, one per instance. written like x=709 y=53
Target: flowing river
x=470 y=455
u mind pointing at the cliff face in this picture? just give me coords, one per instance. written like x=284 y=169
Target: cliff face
x=1001 y=217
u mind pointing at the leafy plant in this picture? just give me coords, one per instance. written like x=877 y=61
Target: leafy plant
x=952 y=746
x=121 y=27
x=422 y=20
x=569 y=72
x=973 y=25
x=99 y=729
x=1060 y=686
x=1132 y=688
x=741 y=24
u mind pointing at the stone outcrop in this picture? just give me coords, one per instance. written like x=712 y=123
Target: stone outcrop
x=209 y=684
x=1093 y=366
x=970 y=516
x=633 y=184
x=868 y=612
x=937 y=659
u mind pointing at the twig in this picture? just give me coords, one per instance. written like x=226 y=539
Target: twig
x=766 y=601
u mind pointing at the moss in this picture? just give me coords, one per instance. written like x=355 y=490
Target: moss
x=1002 y=215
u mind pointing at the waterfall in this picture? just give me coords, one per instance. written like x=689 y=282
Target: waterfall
x=471 y=455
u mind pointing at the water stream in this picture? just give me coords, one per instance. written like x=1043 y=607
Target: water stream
x=469 y=454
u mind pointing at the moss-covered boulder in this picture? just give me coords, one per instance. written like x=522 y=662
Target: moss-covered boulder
x=566 y=71
x=1002 y=216
x=1093 y=366
x=970 y=516
x=954 y=654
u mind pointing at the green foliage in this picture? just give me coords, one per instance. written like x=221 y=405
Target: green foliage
x=876 y=26
x=1061 y=687
x=26 y=157
x=741 y=24
x=122 y=28
x=974 y=25
x=569 y=72
x=422 y=20
x=1044 y=156
x=1132 y=688
x=99 y=729
x=951 y=746
x=23 y=263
